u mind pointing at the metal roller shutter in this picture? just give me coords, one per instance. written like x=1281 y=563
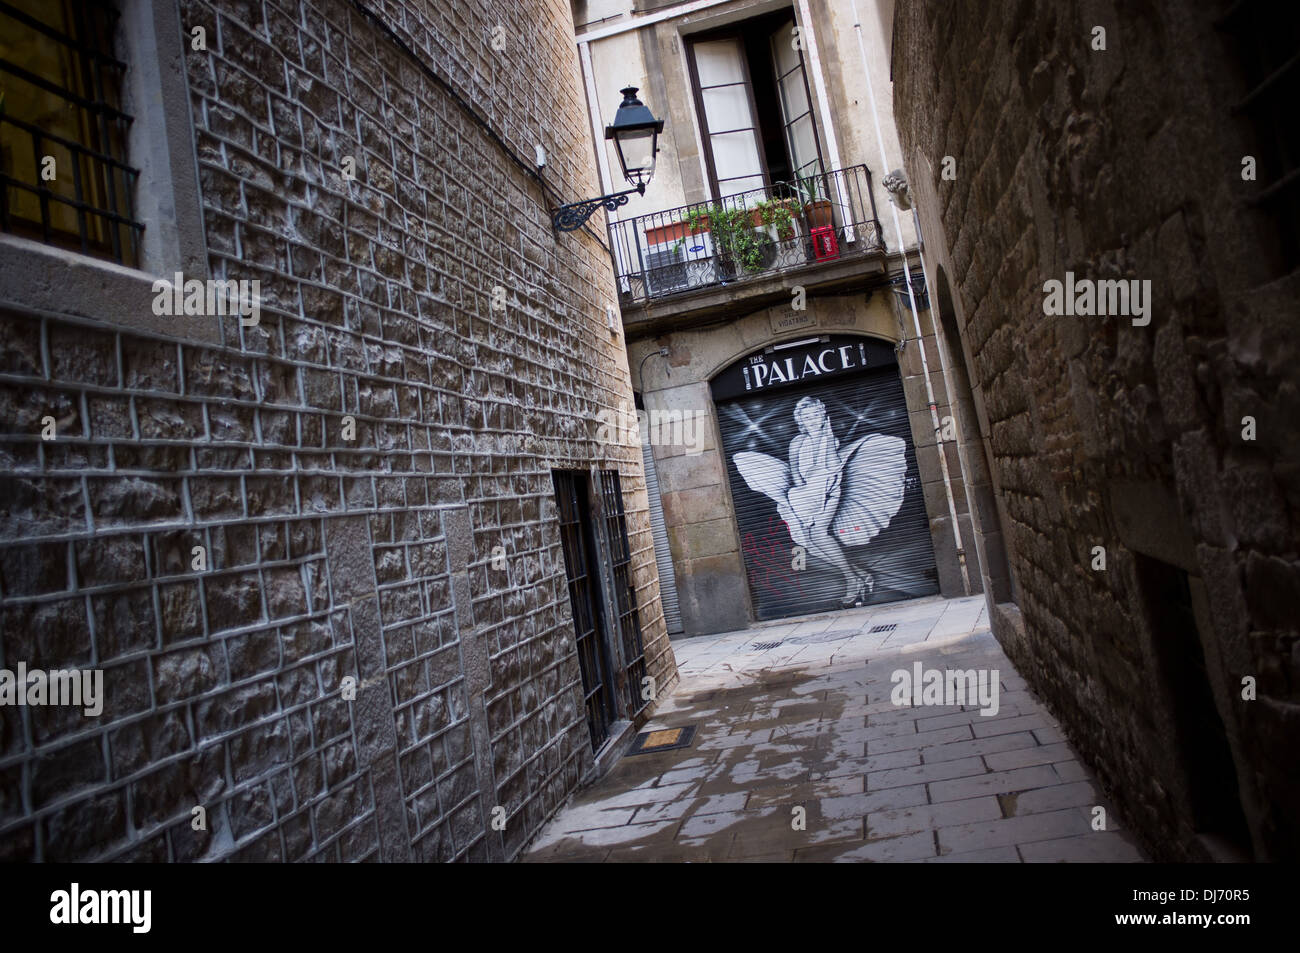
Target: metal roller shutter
x=850 y=495
x=663 y=556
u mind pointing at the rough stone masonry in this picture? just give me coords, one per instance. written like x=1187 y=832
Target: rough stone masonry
x=230 y=530
x=1036 y=151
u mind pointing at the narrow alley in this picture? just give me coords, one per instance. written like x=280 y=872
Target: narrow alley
x=697 y=431
x=798 y=714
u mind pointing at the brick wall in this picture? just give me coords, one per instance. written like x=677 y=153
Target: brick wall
x=1123 y=163
x=327 y=558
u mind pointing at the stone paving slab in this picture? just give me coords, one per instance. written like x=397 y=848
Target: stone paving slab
x=802 y=756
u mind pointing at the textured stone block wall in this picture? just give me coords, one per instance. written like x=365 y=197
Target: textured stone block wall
x=326 y=557
x=1122 y=163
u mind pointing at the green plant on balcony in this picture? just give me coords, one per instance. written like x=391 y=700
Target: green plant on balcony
x=776 y=212
x=736 y=241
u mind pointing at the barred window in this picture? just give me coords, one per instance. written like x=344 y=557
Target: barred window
x=625 y=607
x=1265 y=40
x=64 y=179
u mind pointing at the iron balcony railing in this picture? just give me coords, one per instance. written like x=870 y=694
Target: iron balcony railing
x=819 y=218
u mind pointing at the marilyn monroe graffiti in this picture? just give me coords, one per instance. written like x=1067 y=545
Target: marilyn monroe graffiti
x=833 y=497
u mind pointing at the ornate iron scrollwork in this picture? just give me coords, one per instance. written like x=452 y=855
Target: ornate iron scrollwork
x=570 y=218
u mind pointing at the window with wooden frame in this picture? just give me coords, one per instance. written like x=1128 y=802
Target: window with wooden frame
x=754 y=106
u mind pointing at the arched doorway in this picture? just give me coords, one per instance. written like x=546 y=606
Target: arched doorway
x=823 y=476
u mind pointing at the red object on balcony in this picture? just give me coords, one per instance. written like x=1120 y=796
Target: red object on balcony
x=825 y=245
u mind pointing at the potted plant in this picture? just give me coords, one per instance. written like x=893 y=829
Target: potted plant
x=817 y=210
x=737 y=244
x=662 y=234
x=778 y=215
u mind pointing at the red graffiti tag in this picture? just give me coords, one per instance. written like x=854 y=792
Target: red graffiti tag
x=768 y=557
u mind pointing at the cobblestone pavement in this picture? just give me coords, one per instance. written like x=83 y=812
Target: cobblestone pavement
x=808 y=723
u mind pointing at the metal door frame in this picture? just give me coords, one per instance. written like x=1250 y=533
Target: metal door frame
x=587 y=600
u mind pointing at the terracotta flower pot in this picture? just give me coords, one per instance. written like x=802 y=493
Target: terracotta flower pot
x=674 y=232
x=819 y=214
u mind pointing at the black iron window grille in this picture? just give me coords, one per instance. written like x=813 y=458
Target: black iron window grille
x=620 y=558
x=1267 y=50
x=571 y=497
x=64 y=179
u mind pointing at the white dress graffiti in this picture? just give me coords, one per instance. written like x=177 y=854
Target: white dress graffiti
x=832 y=497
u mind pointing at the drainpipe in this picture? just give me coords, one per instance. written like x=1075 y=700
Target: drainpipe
x=947 y=383
x=916 y=318
x=824 y=104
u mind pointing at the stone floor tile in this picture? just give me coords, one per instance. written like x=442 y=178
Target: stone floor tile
x=920 y=774
x=992 y=855
x=707 y=825
x=877 y=762
x=860 y=805
x=690 y=807
x=995 y=782
x=907 y=847
x=927 y=817
x=1070 y=771
x=1011 y=831
x=1063 y=795
x=563 y=842
x=1001 y=726
x=979 y=746
x=1024 y=757
x=920 y=740
x=1106 y=847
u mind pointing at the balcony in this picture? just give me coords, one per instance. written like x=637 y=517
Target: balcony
x=704 y=255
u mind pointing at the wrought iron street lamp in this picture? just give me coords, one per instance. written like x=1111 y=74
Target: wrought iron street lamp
x=635 y=132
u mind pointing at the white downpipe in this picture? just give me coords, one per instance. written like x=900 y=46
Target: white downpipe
x=823 y=103
x=911 y=297
x=602 y=154
x=593 y=114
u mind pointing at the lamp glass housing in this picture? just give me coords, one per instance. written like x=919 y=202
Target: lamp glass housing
x=635 y=132
x=636 y=154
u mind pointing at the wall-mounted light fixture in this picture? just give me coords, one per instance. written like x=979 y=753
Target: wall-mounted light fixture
x=635 y=132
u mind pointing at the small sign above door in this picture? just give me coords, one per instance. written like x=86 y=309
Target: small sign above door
x=802 y=361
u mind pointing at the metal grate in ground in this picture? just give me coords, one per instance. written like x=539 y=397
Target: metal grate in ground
x=662 y=739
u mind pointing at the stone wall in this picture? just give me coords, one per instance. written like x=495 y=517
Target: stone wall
x=326 y=556
x=1124 y=163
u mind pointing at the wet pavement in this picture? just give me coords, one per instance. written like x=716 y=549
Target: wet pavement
x=800 y=754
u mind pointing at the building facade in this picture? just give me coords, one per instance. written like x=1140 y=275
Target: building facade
x=794 y=409
x=301 y=453
x=1135 y=449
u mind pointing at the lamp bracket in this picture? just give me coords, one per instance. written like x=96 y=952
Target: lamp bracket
x=571 y=217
